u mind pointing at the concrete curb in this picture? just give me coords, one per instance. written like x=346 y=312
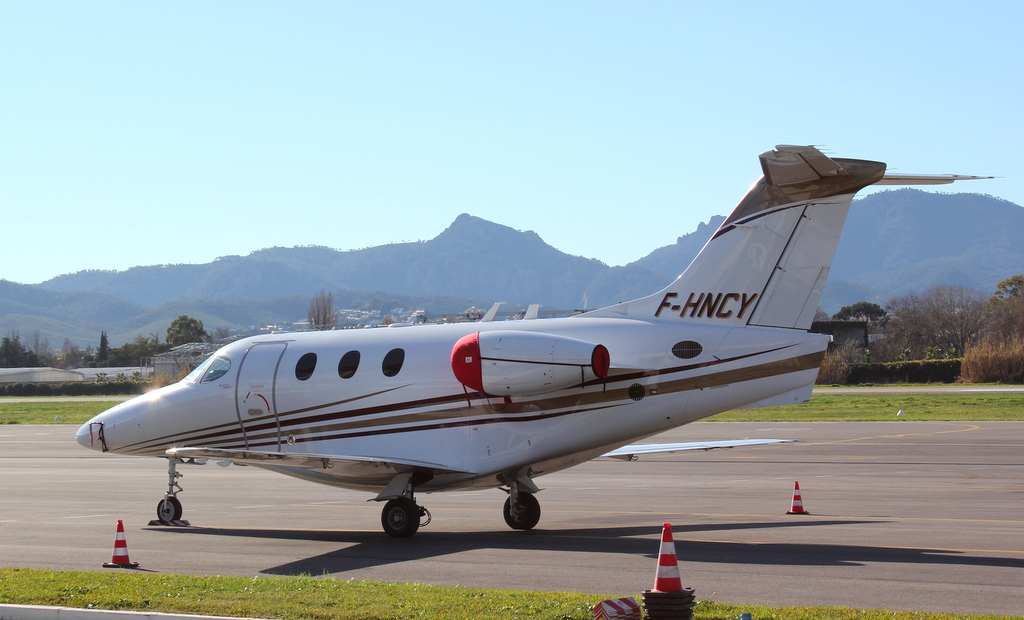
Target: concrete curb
x=34 y=612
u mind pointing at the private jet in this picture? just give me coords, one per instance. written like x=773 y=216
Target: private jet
x=427 y=408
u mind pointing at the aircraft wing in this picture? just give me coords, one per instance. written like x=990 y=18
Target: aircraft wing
x=634 y=451
x=311 y=461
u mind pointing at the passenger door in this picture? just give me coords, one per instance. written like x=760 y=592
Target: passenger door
x=255 y=399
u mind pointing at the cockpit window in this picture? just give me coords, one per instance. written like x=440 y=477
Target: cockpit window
x=198 y=371
x=218 y=368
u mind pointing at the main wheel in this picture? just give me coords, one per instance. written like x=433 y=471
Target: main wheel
x=169 y=509
x=400 y=518
x=528 y=514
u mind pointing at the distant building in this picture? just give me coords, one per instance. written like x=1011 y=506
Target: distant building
x=110 y=374
x=843 y=332
x=39 y=375
x=181 y=360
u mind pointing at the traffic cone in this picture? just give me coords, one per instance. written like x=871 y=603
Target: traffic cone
x=119 y=559
x=667 y=579
x=798 y=502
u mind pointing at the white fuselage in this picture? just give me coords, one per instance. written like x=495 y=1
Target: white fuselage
x=273 y=399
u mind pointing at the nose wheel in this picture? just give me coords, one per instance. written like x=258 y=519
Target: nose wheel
x=169 y=509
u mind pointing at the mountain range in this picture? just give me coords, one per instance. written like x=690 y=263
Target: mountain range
x=894 y=242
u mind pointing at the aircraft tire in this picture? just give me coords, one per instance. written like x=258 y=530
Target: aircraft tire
x=530 y=516
x=400 y=518
x=169 y=509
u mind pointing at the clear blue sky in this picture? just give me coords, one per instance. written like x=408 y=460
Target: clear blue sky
x=147 y=133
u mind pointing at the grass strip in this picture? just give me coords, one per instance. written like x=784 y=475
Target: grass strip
x=302 y=598
x=46 y=411
x=941 y=407
x=867 y=407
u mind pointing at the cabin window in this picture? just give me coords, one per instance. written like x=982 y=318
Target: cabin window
x=393 y=362
x=348 y=365
x=305 y=366
x=687 y=349
x=217 y=369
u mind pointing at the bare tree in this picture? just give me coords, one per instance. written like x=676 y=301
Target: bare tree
x=956 y=316
x=71 y=355
x=322 y=314
x=39 y=344
x=942 y=321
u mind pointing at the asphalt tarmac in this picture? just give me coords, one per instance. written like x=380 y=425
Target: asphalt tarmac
x=904 y=515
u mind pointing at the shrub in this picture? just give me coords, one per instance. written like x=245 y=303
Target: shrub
x=992 y=362
x=927 y=371
x=835 y=368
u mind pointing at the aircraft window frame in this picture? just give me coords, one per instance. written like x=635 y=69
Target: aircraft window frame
x=217 y=369
x=349 y=364
x=305 y=366
x=393 y=362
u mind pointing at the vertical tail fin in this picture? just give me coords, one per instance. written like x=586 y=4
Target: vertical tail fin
x=767 y=263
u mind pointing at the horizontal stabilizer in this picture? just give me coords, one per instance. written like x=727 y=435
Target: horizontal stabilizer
x=893 y=178
x=310 y=461
x=633 y=451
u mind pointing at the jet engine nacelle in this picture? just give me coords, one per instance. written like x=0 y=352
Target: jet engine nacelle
x=514 y=363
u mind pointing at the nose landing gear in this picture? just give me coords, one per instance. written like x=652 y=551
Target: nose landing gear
x=169 y=510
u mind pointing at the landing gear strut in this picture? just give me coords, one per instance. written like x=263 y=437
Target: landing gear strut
x=169 y=508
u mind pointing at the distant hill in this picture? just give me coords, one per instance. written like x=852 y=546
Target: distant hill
x=895 y=241
x=900 y=241
x=472 y=258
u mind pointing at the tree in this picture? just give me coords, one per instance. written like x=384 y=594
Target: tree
x=861 y=311
x=185 y=329
x=940 y=322
x=104 y=351
x=956 y=315
x=1005 y=309
x=71 y=355
x=13 y=353
x=322 y=314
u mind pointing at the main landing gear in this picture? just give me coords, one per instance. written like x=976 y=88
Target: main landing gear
x=522 y=510
x=402 y=516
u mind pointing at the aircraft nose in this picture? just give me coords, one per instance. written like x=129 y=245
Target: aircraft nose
x=88 y=435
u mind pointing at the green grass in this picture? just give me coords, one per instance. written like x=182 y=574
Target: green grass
x=302 y=598
x=46 y=412
x=956 y=407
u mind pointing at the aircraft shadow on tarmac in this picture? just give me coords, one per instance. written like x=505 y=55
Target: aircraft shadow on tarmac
x=368 y=549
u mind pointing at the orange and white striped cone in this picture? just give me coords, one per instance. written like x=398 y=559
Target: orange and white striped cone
x=119 y=559
x=667 y=579
x=798 y=502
